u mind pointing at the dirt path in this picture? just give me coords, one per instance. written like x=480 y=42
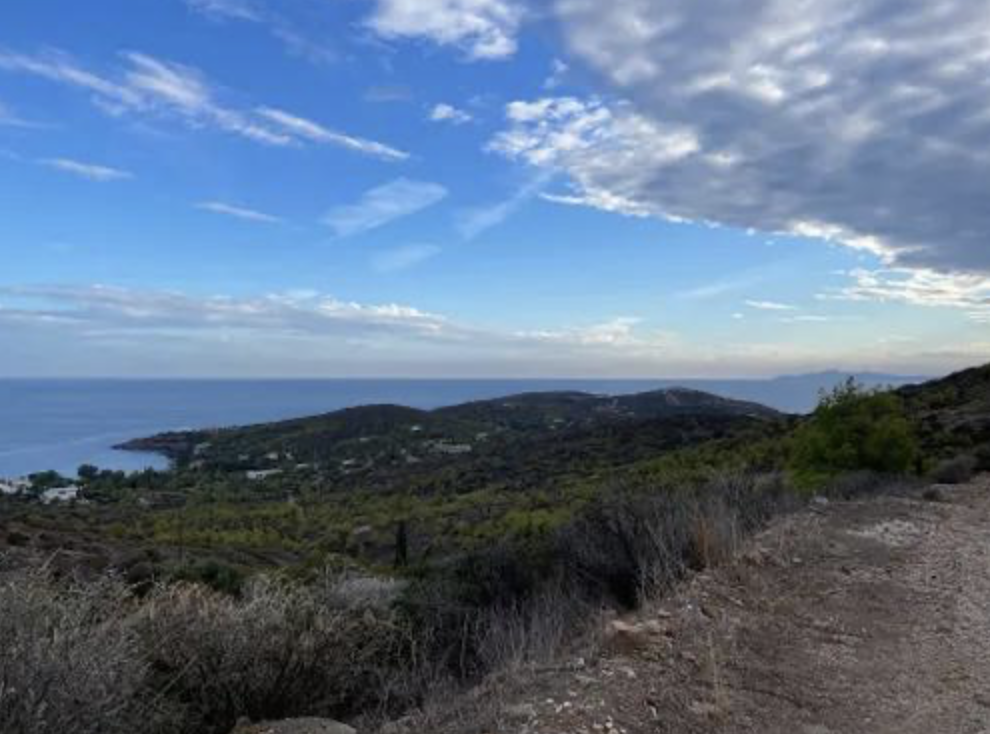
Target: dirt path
x=854 y=618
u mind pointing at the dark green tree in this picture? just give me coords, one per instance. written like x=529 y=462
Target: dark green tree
x=854 y=429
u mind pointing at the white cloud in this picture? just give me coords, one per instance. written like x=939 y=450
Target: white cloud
x=106 y=330
x=482 y=29
x=448 y=113
x=770 y=306
x=150 y=86
x=403 y=258
x=619 y=332
x=238 y=212
x=93 y=172
x=864 y=121
x=472 y=223
x=58 y=66
x=383 y=204
x=110 y=308
x=296 y=43
x=110 y=312
x=558 y=72
x=806 y=318
x=233 y=9
x=307 y=129
x=10 y=119
x=174 y=88
x=610 y=154
x=919 y=287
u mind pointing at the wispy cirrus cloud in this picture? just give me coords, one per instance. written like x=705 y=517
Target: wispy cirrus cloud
x=474 y=222
x=295 y=41
x=300 y=127
x=482 y=29
x=238 y=212
x=383 y=204
x=230 y=9
x=90 y=171
x=770 y=306
x=9 y=118
x=403 y=258
x=168 y=90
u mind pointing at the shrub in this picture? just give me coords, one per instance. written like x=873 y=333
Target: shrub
x=70 y=658
x=276 y=652
x=854 y=430
x=955 y=471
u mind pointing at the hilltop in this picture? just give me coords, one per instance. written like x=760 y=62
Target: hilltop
x=518 y=441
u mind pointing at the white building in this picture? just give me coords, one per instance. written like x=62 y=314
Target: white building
x=60 y=494
x=14 y=486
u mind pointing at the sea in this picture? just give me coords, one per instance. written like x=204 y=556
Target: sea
x=62 y=424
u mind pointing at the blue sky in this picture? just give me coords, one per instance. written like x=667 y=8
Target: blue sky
x=492 y=187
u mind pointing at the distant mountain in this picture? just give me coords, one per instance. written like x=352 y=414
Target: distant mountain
x=792 y=393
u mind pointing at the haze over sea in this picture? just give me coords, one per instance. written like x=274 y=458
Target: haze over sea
x=61 y=424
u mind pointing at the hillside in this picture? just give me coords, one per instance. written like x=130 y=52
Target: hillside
x=860 y=617
x=953 y=413
x=517 y=441
x=480 y=543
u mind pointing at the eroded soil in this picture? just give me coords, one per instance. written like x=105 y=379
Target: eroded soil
x=852 y=618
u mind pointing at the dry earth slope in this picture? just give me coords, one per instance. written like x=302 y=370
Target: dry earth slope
x=854 y=618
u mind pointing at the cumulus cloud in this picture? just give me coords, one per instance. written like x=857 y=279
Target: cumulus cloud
x=91 y=171
x=151 y=86
x=448 y=113
x=482 y=29
x=238 y=212
x=383 y=204
x=863 y=122
x=611 y=155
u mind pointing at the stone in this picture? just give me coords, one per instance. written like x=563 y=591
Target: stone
x=521 y=712
x=296 y=726
x=626 y=638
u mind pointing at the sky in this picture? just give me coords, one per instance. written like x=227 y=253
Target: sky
x=493 y=188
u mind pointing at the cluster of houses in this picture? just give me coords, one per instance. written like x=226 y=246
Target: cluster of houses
x=68 y=493
x=14 y=486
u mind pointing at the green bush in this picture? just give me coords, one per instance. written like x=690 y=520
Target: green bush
x=854 y=430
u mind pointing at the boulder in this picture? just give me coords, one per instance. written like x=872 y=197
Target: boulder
x=296 y=726
x=626 y=638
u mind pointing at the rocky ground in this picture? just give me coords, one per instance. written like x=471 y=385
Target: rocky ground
x=852 y=618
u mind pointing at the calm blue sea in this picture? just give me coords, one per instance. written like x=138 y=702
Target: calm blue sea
x=60 y=424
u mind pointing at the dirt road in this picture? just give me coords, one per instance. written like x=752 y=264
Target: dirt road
x=867 y=617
